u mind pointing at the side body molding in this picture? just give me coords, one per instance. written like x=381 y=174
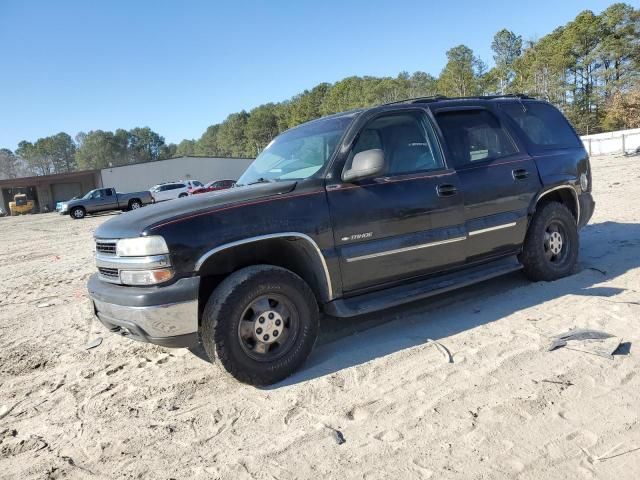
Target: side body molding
x=563 y=187
x=296 y=235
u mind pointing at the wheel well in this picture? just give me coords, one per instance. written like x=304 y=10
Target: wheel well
x=77 y=207
x=293 y=253
x=563 y=196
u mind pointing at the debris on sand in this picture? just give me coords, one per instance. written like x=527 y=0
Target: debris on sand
x=94 y=343
x=445 y=352
x=339 y=437
x=585 y=340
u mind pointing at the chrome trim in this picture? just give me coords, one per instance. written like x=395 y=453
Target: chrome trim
x=575 y=196
x=133 y=263
x=167 y=320
x=491 y=229
x=405 y=249
x=220 y=248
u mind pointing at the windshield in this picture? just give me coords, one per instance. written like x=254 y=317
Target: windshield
x=88 y=195
x=297 y=153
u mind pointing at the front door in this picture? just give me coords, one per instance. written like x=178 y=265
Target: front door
x=104 y=199
x=498 y=177
x=406 y=223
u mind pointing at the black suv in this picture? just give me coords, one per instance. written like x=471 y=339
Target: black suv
x=348 y=214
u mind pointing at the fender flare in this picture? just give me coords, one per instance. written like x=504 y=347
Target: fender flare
x=555 y=189
x=294 y=235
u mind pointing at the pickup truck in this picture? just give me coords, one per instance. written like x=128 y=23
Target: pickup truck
x=345 y=215
x=102 y=200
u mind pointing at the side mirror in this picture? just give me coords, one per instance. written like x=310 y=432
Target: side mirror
x=365 y=164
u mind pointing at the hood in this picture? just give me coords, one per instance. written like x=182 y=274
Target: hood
x=134 y=223
x=72 y=203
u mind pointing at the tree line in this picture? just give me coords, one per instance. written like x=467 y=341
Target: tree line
x=588 y=67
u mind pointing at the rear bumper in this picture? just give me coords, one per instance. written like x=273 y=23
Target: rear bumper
x=587 y=206
x=166 y=316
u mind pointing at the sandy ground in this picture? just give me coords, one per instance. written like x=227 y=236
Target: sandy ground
x=505 y=407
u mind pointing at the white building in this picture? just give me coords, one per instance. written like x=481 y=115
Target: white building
x=142 y=176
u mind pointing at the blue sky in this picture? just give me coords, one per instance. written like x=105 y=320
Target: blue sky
x=181 y=66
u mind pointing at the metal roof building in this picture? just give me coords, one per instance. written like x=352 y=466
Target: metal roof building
x=47 y=190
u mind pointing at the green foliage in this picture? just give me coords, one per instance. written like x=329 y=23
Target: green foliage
x=459 y=77
x=507 y=47
x=186 y=148
x=588 y=67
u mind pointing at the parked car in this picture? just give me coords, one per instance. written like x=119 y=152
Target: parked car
x=171 y=190
x=193 y=185
x=2 y=212
x=214 y=186
x=345 y=215
x=104 y=199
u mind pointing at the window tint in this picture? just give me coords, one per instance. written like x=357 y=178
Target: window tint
x=407 y=140
x=198 y=184
x=474 y=135
x=109 y=192
x=543 y=125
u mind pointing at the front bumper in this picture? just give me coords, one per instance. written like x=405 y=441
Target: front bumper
x=165 y=315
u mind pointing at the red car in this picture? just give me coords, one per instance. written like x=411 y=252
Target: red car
x=213 y=186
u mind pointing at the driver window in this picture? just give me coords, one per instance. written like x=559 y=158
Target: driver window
x=407 y=140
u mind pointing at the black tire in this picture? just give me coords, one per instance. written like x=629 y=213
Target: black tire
x=78 y=213
x=135 y=204
x=232 y=303
x=552 y=243
x=182 y=195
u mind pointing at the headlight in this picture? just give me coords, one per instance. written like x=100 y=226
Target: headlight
x=145 y=277
x=141 y=246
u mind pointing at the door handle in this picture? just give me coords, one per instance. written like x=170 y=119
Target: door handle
x=446 y=190
x=519 y=174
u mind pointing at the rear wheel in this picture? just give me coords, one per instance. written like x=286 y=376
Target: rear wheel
x=261 y=323
x=78 y=213
x=182 y=195
x=135 y=204
x=551 y=246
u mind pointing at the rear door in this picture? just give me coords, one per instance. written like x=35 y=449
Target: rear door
x=409 y=221
x=498 y=177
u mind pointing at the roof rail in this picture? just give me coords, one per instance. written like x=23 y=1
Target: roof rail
x=436 y=98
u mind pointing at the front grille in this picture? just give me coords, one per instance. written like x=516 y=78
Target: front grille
x=108 y=248
x=109 y=272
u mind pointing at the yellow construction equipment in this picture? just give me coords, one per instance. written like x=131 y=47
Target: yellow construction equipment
x=21 y=205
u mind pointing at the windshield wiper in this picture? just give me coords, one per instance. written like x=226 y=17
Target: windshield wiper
x=260 y=180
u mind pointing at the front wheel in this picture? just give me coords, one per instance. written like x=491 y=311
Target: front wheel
x=551 y=246
x=261 y=323
x=78 y=213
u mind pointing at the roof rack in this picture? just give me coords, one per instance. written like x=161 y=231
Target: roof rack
x=436 y=98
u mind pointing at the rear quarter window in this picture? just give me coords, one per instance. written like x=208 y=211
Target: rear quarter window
x=543 y=126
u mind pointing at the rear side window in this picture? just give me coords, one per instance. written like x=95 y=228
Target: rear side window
x=474 y=136
x=544 y=127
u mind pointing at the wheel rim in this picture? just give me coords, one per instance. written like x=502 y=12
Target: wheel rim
x=268 y=327
x=135 y=206
x=78 y=213
x=556 y=243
